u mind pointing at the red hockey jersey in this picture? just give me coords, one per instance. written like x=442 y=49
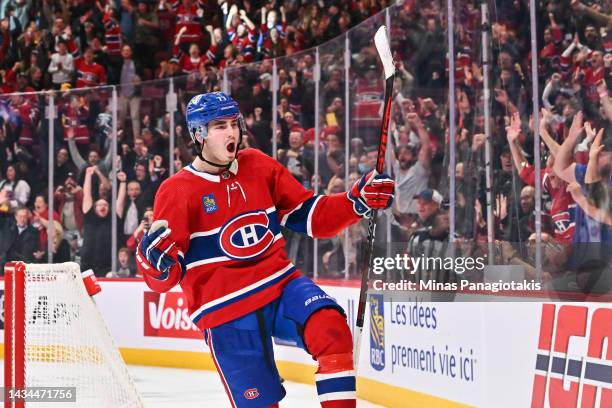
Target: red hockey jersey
x=74 y=120
x=29 y=115
x=227 y=228
x=245 y=44
x=89 y=75
x=112 y=36
x=188 y=18
x=190 y=65
x=563 y=207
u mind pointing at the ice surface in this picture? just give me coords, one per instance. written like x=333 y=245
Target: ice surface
x=162 y=387
x=171 y=387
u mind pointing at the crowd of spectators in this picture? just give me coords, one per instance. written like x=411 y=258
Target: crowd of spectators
x=49 y=43
x=574 y=64
x=206 y=40
x=74 y=47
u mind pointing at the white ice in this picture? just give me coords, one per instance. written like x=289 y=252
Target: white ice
x=162 y=387
x=172 y=387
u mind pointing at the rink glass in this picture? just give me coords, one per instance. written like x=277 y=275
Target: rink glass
x=332 y=103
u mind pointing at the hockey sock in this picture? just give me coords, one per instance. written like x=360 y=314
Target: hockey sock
x=329 y=340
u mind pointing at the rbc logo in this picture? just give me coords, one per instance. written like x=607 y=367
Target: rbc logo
x=573 y=369
x=377 y=332
x=210 y=205
x=246 y=236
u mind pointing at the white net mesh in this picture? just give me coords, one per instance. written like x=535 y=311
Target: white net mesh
x=67 y=343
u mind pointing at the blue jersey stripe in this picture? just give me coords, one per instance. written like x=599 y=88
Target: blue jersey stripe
x=207 y=247
x=298 y=220
x=339 y=384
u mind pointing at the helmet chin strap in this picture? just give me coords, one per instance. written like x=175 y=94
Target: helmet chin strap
x=221 y=166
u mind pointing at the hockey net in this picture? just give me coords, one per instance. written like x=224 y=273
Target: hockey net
x=56 y=337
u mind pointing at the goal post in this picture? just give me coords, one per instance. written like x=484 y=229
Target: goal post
x=55 y=337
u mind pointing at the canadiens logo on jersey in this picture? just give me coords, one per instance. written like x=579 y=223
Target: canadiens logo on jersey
x=210 y=205
x=246 y=236
x=251 y=393
x=564 y=223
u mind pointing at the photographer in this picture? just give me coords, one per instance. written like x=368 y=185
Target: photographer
x=144 y=226
x=69 y=203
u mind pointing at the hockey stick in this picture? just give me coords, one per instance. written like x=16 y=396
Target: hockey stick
x=384 y=51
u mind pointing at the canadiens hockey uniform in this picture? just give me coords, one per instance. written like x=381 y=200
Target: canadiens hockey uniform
x=228 y=228
x=218 y=235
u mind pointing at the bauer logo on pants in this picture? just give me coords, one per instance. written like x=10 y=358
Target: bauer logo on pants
x=573 y=369
x=377 y=332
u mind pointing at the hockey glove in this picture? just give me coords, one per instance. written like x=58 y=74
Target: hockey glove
x=159 y=257
x=371 y=192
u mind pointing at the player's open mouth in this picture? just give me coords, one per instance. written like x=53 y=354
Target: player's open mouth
x=231 y=147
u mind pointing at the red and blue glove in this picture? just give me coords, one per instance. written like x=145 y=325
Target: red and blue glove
x=372 y=191
x=159 y=259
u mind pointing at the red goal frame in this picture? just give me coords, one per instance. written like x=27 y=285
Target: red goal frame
x=14 y=330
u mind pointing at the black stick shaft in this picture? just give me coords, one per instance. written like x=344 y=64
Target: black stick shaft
x=366 y=265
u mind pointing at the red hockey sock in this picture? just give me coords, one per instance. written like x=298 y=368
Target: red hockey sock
x=329 y=340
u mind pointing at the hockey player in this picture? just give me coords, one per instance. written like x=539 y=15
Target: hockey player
x=217 y=234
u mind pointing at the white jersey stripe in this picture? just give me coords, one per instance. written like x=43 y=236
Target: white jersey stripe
x=207 y=261
x=219 y=369
x=206 y=176
x=321 y=377
x=284 y=220
x=335 y=396
x=204 y=233
x=242 y=291
x=310 y=213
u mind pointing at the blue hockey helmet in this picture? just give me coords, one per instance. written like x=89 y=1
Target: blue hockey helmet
x=203 y=109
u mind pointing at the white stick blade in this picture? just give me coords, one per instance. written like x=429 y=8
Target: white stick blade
x=384 y=51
